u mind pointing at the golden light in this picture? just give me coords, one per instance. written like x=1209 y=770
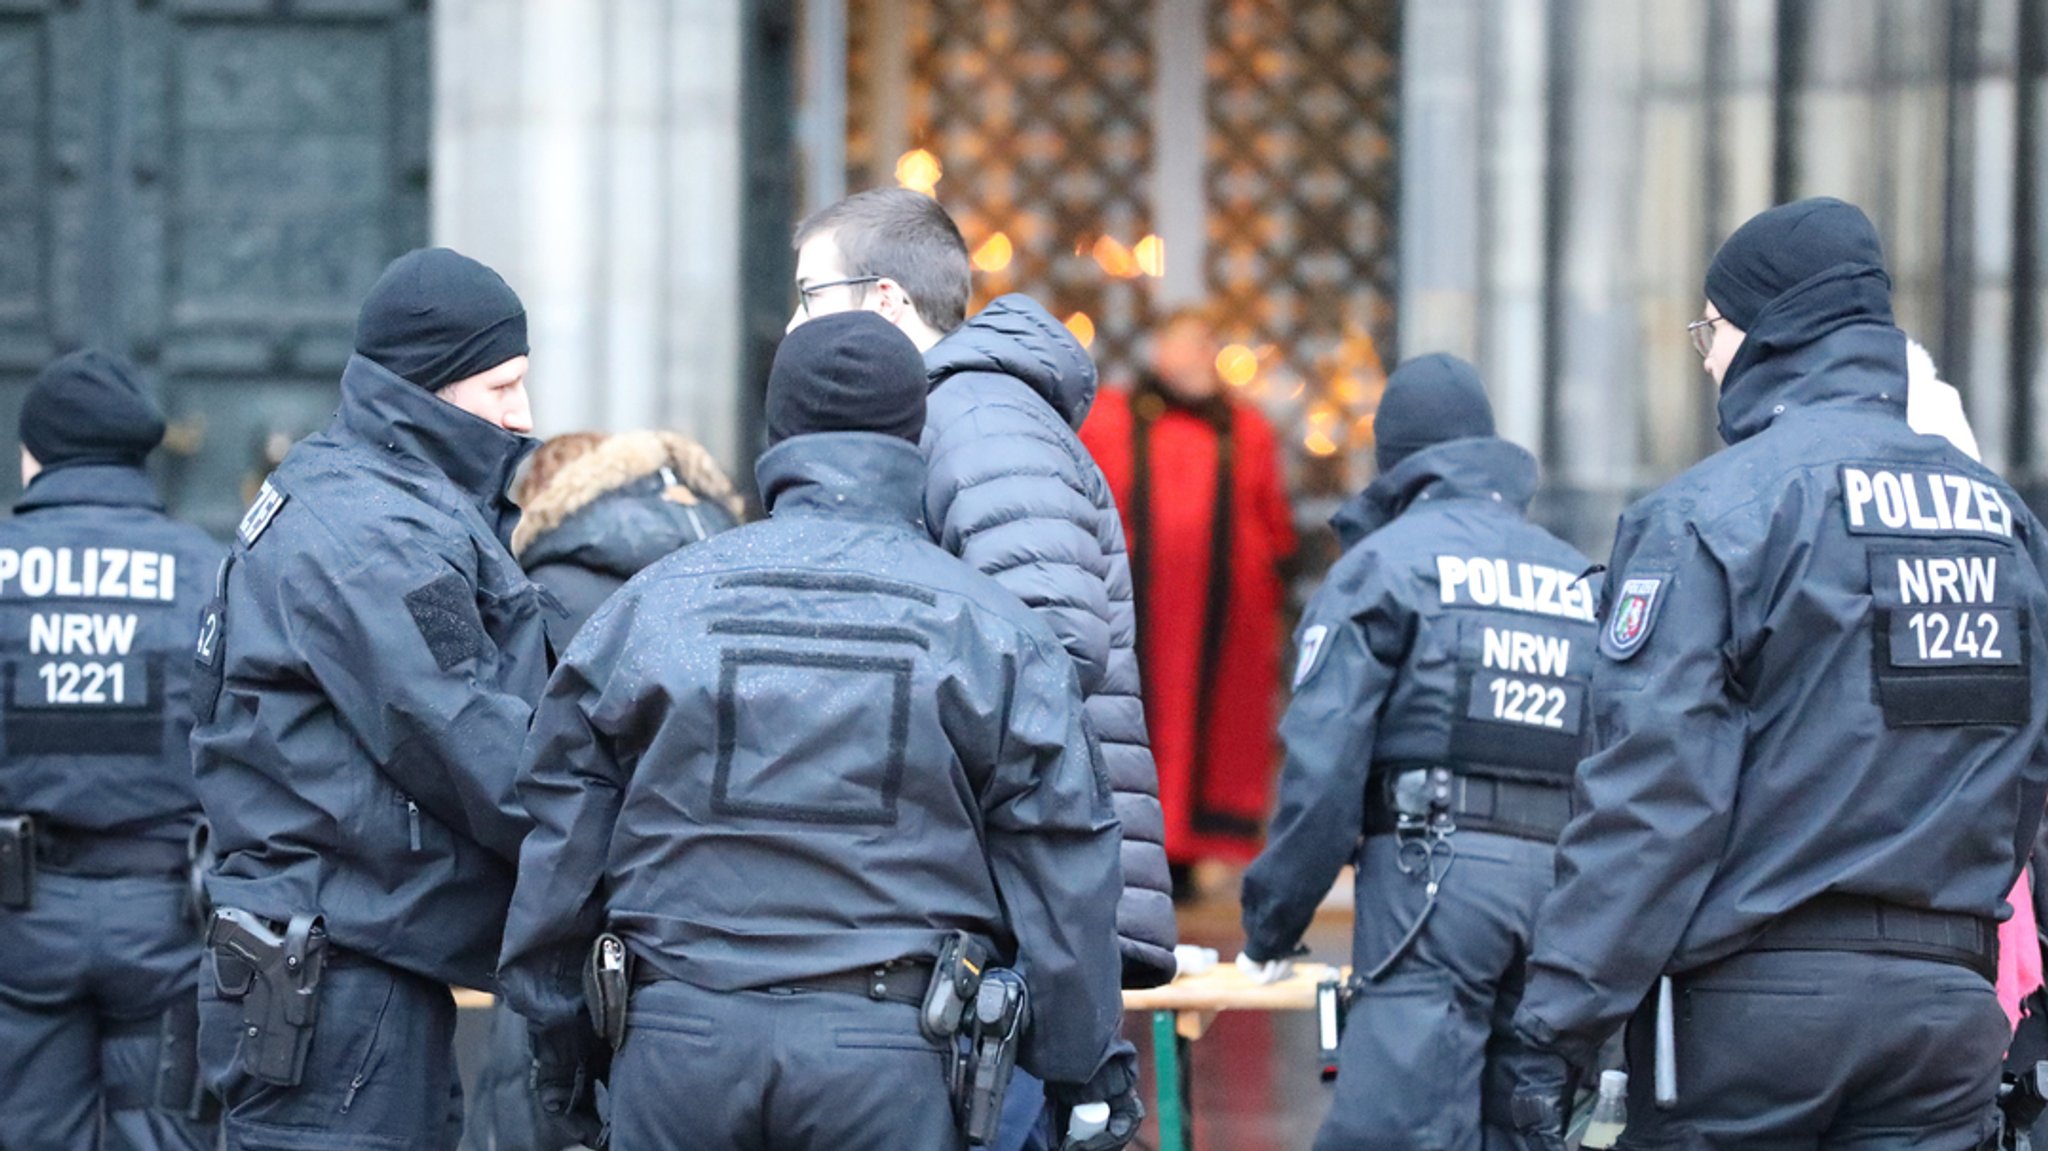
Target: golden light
x=994 y=254
x=1150 y=253
x=1083 y=328
x=1323 y=419
x=1114 y=258
x=919 y=171
x=1237 y=365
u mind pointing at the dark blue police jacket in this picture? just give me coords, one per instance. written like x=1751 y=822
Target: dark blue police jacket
x=377 y=653
x=815 y=744
x=99 y=590
x=1454 y=632
x=1821 y=671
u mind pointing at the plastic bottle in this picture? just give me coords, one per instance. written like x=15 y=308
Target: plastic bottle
x=1087 y=1121
x=1610 y=1111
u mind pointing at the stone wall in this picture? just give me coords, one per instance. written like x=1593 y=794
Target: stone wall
x=591 y=151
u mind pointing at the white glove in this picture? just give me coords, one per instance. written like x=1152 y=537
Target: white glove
x=1270 y=971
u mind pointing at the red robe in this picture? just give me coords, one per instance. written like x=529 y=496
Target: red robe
x=1213 y=782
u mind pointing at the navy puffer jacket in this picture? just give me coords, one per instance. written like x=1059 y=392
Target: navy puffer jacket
x=1012 y=491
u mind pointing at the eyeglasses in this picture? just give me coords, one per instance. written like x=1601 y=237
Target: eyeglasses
x=1702 y=333
x=804 y=291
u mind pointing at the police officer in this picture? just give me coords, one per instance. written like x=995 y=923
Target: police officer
x=375 y=652
x=785 y=765
x=1819 y=710
x=99 y=938
x=1439 y=696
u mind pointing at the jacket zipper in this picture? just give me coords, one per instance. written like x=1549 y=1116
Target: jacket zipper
x=354 y=1085
x=412 y=821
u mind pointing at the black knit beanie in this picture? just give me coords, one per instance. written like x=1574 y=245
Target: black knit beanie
x=437 y=316
x=1785 y=246
x=1428 y=400
x=89 y=407
x=846 y=372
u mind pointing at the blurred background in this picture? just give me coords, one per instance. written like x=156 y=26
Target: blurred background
x=210 y=186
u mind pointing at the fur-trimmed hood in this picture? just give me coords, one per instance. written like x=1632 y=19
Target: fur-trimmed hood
x=693 y=476
x=631 y=500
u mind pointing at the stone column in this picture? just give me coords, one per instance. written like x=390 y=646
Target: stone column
x=1511 y=326
x=1441 y=80
x=1601 y=417
x=590 y=150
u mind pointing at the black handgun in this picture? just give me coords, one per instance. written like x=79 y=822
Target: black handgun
x=276 y=978
x=1000 y=1008
x=607 y=987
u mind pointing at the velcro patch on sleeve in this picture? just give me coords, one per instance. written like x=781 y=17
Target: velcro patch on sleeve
x=445 y=612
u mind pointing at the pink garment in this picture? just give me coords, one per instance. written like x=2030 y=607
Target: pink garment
x=2019 y=950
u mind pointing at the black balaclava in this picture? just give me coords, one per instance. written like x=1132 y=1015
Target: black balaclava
x=846 y=372
x=1784 y=247
x=89 y=407
x=436 y=316
x=1428 y=400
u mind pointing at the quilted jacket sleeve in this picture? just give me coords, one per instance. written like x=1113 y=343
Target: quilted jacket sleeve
x=1007 y=493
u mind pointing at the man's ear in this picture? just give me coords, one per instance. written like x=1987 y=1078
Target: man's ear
x=892 y=301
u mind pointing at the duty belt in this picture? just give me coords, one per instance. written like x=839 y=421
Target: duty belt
x=898 y=982
x=1514 y=807
x=97 y=853
x=1859 y=923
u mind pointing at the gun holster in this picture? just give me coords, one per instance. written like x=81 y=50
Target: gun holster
x=17 y=860
x=1001 y=1011
x=607 y=986
x=2022 y=1097
x=276 y=978
x=956 y=979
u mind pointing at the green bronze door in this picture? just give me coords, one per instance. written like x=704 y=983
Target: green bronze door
x=209 y=186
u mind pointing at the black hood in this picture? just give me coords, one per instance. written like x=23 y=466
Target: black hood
x=477 y=456
x=1482 y=467
x=102 y=485
x=856 y=475
x=1830 y=340
x=626 y=529
x=1015 y=336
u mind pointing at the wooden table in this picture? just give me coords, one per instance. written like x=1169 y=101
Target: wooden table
x=1182 y=1011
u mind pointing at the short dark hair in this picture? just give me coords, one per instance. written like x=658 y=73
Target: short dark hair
x=907 y=237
